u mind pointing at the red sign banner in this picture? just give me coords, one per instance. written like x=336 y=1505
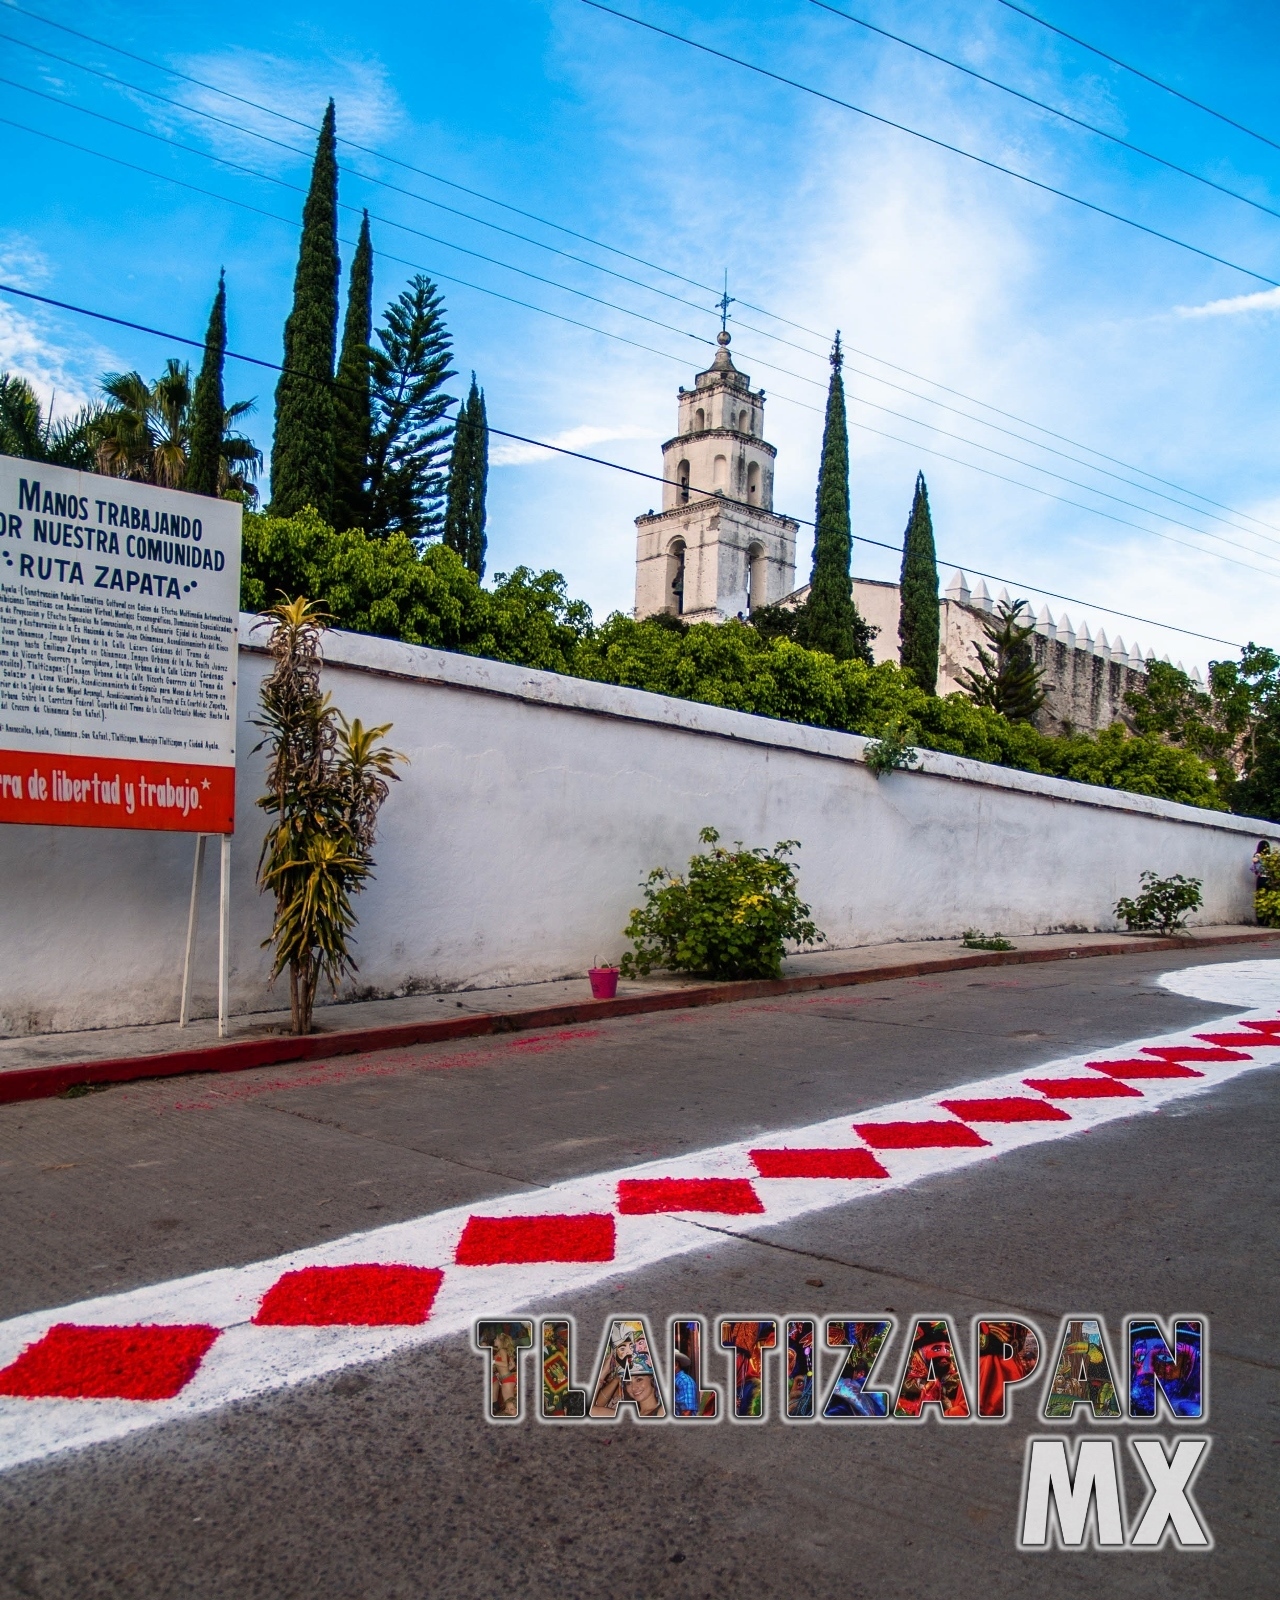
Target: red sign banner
x=85 y=792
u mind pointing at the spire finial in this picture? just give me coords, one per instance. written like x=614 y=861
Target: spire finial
x=724 y=302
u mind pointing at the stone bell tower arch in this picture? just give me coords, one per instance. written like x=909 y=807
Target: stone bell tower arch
x=717 y=548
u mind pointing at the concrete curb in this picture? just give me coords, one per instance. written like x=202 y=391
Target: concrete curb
x=39 y=1083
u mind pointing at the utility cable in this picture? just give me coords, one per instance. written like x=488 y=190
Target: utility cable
x=928 y=138
x=1138 y=73
x=946 y=433
x=546 y=222
x=600 y=461
x=1042 y=105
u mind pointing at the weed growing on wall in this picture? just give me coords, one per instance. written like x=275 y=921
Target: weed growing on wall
x=730 y=916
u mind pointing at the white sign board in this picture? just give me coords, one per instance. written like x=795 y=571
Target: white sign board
x=119 y=610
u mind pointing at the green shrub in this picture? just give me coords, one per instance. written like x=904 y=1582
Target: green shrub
x=429 y=597
x=1266 y=907
x=1162 y=904
x=729 y=917
x=975 y=939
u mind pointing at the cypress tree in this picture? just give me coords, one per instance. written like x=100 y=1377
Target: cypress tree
x=464 y=518
x=831 y=621
x=303 y=450
x=208 y=410
x=351 y=400
x=918 y=616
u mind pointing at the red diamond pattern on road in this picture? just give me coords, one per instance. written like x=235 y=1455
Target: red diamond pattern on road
x=1008 y=1108
x=1143 y=1069
x=516 y=1241
x=1270 y=1029
x=854 y=1162
x=144 y=1362
x=360 y=1296
x=643 y=1197
x=1081 y=1088
x=1245 y=1041
x=918 y=1135
x=1191 y=1052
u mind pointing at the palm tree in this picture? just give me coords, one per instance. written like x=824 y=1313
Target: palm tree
x=26 y=430
x=144 y=433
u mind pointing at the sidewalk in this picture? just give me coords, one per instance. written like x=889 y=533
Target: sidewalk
x=41 y=1065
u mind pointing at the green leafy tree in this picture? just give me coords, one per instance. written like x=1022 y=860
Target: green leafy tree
x=918 y=623
x=28 y=431
x=144 y=433
x=464 y=517
x=353 y=424
x=1008 y=680
x=730 y=916
x=302 y=453
x=830 y=621
x=205 y=466
x=411 y=431
x=326 y=782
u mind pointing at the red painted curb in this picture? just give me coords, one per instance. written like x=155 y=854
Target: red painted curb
x=239 y=1055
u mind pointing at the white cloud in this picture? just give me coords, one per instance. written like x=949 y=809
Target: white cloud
x=1237 y=305
x=511 y=453
x=30 y=349
x=368 y=108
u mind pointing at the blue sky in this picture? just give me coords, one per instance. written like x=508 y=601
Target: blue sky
x=1061 y=318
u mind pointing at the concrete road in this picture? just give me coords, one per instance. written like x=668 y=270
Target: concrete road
x=386 y=1480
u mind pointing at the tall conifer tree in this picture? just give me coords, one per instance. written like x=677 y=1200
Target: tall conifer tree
x=303 y=449
x=918 y=616
x=830 y=619
x=208 y=409
x=351 y=400
x=408 y=471
x=464 y=517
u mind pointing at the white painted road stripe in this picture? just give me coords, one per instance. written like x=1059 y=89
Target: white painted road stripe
x=247 y=1359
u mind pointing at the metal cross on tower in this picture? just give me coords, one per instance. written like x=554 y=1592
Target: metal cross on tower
x=724 y=302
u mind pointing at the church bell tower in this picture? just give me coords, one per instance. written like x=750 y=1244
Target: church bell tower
x=717 y=548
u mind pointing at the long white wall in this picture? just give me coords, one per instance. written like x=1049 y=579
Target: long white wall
x=532 y=808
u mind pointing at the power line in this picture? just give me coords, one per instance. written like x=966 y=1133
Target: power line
x=1138 y=73
x=940 y=144
x=578 y=455
x=889 y=411
x=1042 y=105
x=865 y=427
x=600 y=244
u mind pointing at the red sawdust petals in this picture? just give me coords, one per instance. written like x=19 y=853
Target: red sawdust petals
x=1143 y=1069
x=494 y=1241
x=142 y=1362
x=1081 y=1088
x=642 y=1197
x=1191 y=1052
x=854 y=1162
x=362 y=1296
x=1248 y=1041
x=1270 y=1027
x=918 y=1135
x=1007 y=1108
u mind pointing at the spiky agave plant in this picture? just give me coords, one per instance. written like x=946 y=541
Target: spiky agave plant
x=326 y=782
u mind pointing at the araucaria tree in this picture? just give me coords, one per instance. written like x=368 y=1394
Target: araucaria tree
x=302 y=455
x=464 y=516
x=411 y=430
x=1008 y=680
x=352 y=406
x=918 y=616
x=326 y=782
x=208 y=408
x=830 y=619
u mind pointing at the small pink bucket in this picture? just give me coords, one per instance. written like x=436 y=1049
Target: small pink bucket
x=604 y=982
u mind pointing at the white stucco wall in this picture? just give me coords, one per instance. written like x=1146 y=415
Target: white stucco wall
x=533 y=807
